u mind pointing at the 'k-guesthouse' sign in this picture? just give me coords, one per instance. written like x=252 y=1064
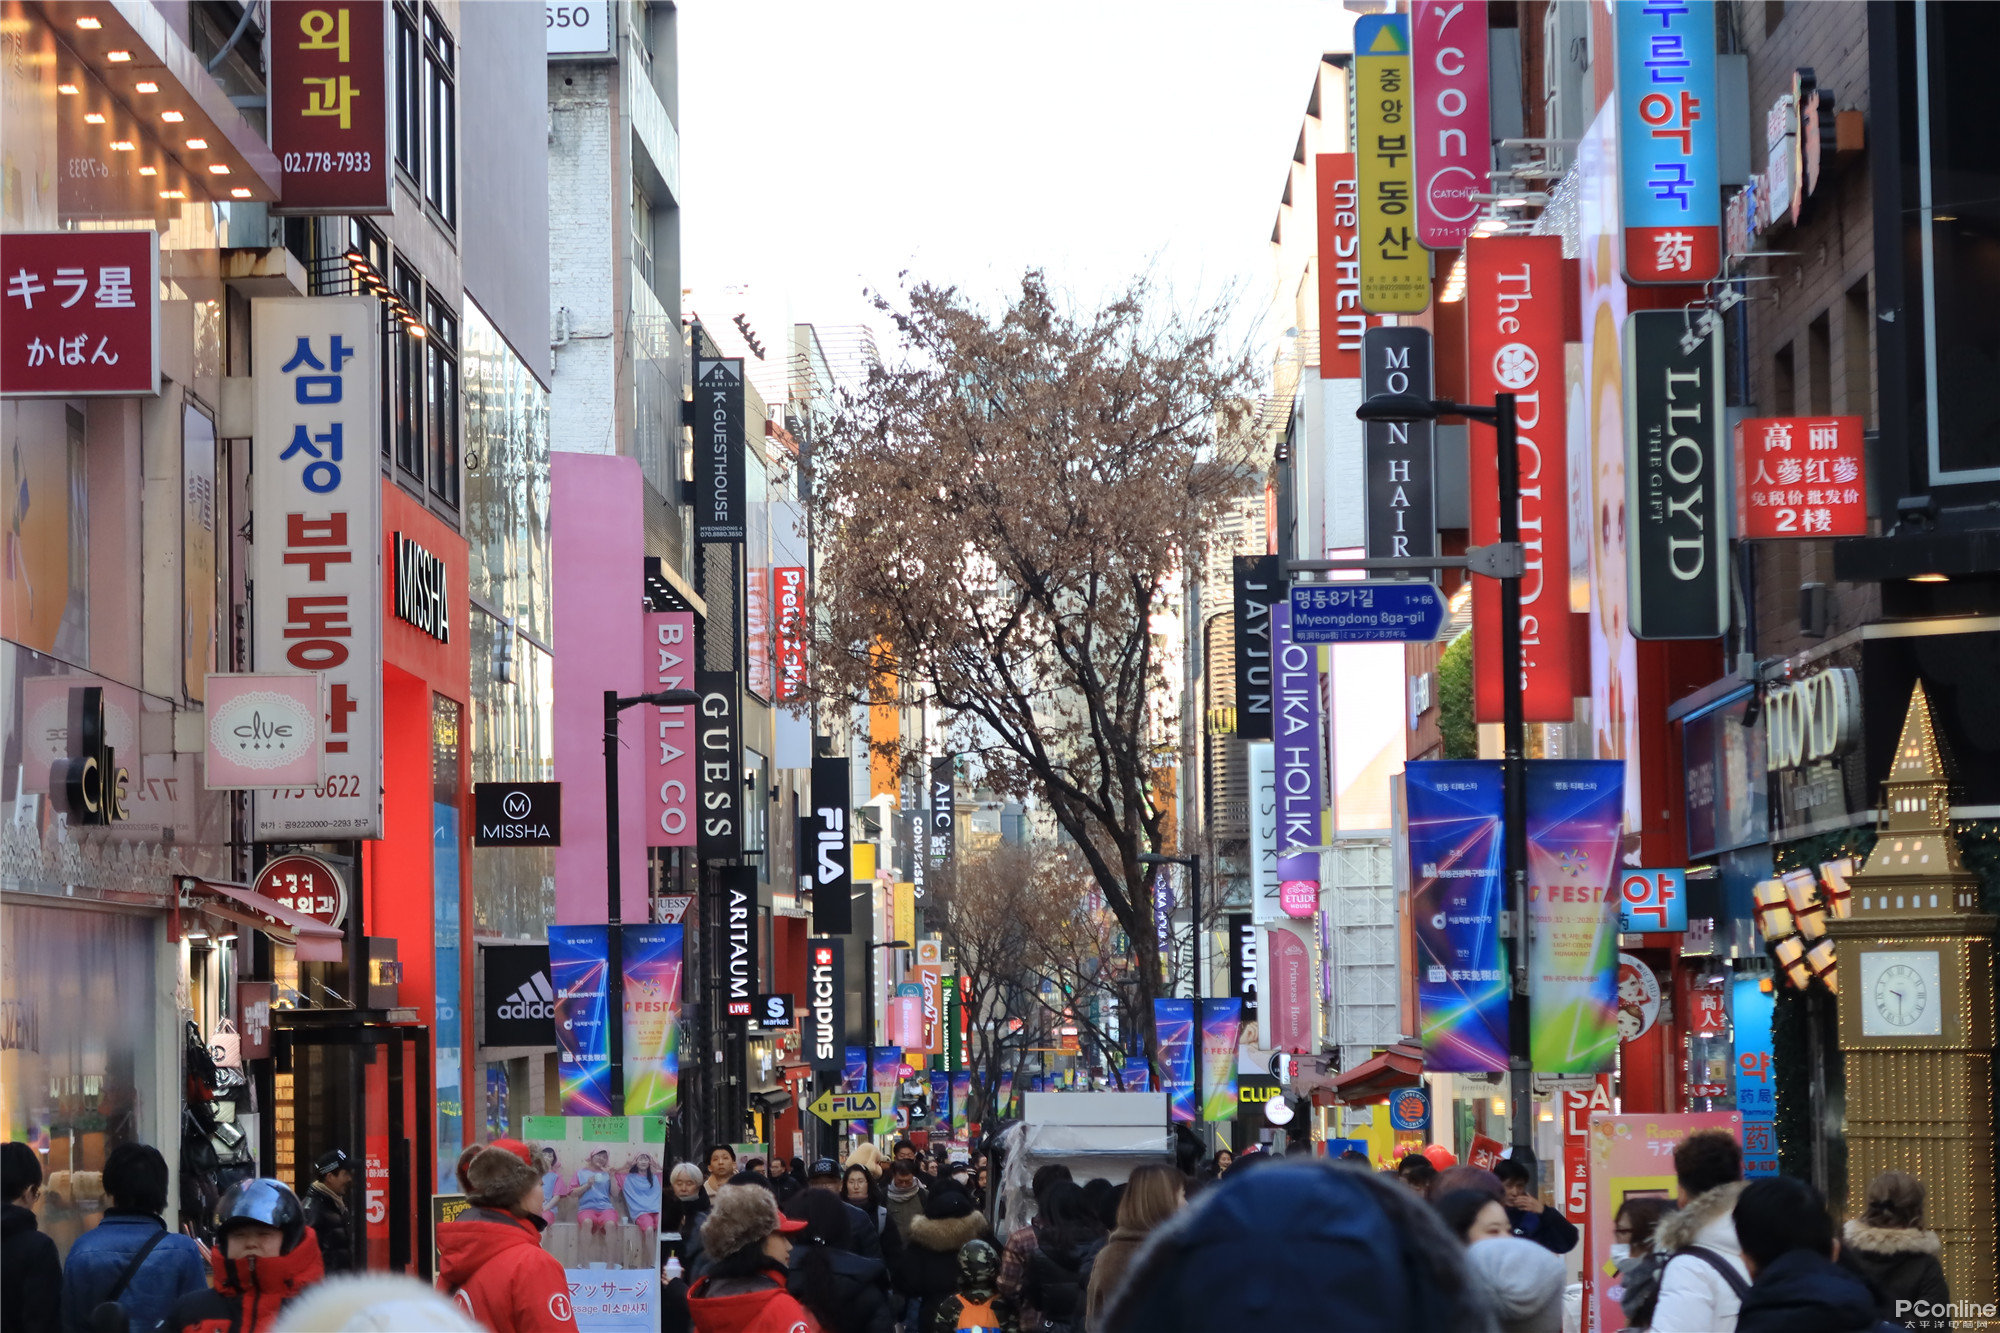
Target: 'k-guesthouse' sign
x=719 y=481
x=80 y=314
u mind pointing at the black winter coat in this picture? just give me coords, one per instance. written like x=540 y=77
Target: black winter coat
x=1056 y=1279
x=1802 y=1293
x=926 y=1269
x=860 y=1291
x=1898 y=1264
x=30 y=1275
x=328 y=1216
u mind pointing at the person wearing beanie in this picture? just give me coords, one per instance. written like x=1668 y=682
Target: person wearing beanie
x=743 y=1289
x=925 y=1268
x=373 y=1303
x=490 y=1259
x=1524 y=1283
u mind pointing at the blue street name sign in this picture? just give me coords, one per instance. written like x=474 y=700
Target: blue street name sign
x=1367 y=612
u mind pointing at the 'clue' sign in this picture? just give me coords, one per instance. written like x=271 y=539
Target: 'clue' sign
x=329 y=105
x=80 y=314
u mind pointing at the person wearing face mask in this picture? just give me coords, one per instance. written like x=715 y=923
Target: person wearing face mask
x=264 y=1255
x=1638 y=1260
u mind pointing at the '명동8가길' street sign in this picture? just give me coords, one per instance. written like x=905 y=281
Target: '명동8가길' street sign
x=1367 y=613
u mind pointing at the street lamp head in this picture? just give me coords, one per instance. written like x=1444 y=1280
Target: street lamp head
x=1162 y=859
x=670 y=698
x=890 y=944
x=1398 y=407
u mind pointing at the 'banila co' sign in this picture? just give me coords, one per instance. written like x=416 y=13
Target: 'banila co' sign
x=1811 y=719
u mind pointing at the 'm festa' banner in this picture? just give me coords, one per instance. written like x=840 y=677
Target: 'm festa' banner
x=886 y=1066
x=1174 y=1022
x=652 y=1019
x=854 y=1078
x=961 y=1102
x=1575 y=807
x=1456 y=893
x=1221 y=1027
x=577 y=970
x=940 y=1101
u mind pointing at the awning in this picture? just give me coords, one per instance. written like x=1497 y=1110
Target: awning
x=316 y=941
x=1401 y=1066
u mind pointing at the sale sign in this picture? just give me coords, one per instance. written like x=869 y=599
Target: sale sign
x=329 y=104
x=1454 y=144
x=1670 y=183
x=80 y=313
x=1514 y=335
x=1800 y=477
x=1395 y=270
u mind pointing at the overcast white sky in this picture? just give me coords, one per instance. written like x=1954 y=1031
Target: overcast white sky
x=827 y=146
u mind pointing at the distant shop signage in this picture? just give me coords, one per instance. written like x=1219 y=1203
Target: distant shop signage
x=1800 y=477
x=1677 y=545
x=1670 y=191
x=517 y=814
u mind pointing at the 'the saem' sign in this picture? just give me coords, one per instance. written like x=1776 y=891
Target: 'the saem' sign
x=1395 y=270
x=824 y=1029
x=329 y=105
x=1257 y=587
x=788 y=582
x=1454 y=137
x=666 y=756
x=739 y=941
x=832 y=863
x=1670 y=185
x=1514 y=339
x=1342 y=320
x=718 y=768
x=1677 y=542
x=719 y=484
x=1398 y=458
x=423 y=598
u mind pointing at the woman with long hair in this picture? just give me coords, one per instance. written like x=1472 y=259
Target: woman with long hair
x=845 y=1292
x=859 y=1188
x=1153 y=1194
x=641 y=1186
x=554 y=1184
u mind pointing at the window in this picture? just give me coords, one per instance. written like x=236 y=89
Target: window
x=441 y=115
x=642 y=232
x=409 y=96
x=408 y=354
x=441 y=351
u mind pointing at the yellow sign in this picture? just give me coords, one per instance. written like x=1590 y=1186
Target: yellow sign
x=1395 y=269
x=863 y=871
x=832 y=1106
x=906 y=913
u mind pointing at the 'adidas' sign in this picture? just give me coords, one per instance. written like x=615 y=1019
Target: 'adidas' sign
x=535 y=999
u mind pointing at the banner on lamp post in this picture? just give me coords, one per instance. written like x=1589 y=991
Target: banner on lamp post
x=1221 y=1029
x=1454 y=136
x=1173 y=1024
x=1395 y=270
x=1457 y=892
x=652 y=961
x=1677 y=544
x=578 y=971
x=1575 y=809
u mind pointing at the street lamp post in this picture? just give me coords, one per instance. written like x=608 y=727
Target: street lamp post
x=1193 y=864
x=614 y=945
x=1501 y=416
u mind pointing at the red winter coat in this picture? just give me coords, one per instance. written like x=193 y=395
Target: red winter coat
x=757 y=1304
x=494 y=1266
x=248 y=1293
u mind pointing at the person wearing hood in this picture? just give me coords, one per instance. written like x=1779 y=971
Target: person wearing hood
x=264 y=1255
x=491 y=1260
x=30 y=1271
x=845 y=1292
x=1303 y=1244
x=373 y=1303
x=744 y=1288
x=131 y=1248
x=327 y=1212
x=1888 y=1248
x=1067 y=1236
x=1524 y=1283
x=1153 y=1194
x=1788 y=1245
x=926 y=1269
x=1704 y=1283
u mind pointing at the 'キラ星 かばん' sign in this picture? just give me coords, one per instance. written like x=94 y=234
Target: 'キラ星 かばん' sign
x=1395 y=270
x=1800 y=477
x=1670 y=187
x=80 y=314
x=1454 y=138
x=329 y=105
x=1677 y=546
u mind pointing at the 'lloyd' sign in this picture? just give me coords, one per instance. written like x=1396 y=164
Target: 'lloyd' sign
x=1401 y=518
x=1816 y=718
x=824 y=1029
x=423 y=597
x=718 y=768
x=1257 y=587
x=517 y=814
x=1677 y=537
x=739 y=941
x=719 y=499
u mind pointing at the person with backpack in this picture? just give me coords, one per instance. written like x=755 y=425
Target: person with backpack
x=1788 y=1246
x=30 y=1271
x=1705 y=1279
x=490 y=1258
x=977 y=1306
x=1066 y=1236
x=926 y=1270
x=845 y=1292
x=264 y=1256
x=1889 y=1249
x=1639 y=1262
x=130 y=1259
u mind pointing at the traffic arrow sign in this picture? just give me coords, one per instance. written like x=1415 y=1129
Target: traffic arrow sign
x=832 y=1106
x=1383 y=612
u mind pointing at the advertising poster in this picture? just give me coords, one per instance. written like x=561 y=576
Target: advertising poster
x=1221 y=1026
x=612 y=1170
x=583 y=1043
x=1632 y=1157
x=652 y=1019
x=961 y=1103
x=940 y=1100
x=1174 y=1022
x=1138 y=1074
x=854 y=1078
x=1455 y=900
x=1751 y=1008
x=1575 y=809
x=886 y=1071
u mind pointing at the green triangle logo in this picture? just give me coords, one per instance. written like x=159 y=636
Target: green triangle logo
x=1388 y=41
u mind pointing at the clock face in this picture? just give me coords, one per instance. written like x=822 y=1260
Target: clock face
x=1900 y=994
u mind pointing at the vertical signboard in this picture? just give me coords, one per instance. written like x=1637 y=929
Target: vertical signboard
x=832 y=864
x=317 y=559
x=788 y=584
x=1395 y=270
x=720 y=505
x=1750 y=1011
x=718 y=768
x=740 y=981
x=823 y=1028
x=1514 y=337
x=1221 y=1029
x=1677 y=542
x=1456 y=895
x=1288 y=1003
x=1633 y=1156
x=943 y=810
x=1266 y=902
x=1296 y=745
x=578 y=971
x=1670 y=184
x=1454 y=136
x=652 y=958
x=1575 y=810
x=1243 y=949
x=1398 y=459
x=1342 y=321
x=81 y=313
x=668 y=753
x=1800 y=477
x=1173 y=1025
x=329 y=105
x=1257 y=587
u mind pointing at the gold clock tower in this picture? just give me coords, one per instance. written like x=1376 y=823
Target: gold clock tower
x=1917 y=1014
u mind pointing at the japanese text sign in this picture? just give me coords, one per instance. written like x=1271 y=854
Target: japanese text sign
x=667 y=753
x=1341 y=318
x=317 y=556
x=1801 y=477
x=1670 y=184
x=1454 y=143
x=81 y=313
x=1632 y=1156
x=1652 y=900
x=1395 y=270
x=330 y=105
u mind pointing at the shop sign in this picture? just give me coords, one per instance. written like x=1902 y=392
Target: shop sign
x=1288 y=1016
x=1780 y=184
x=832 y=861
x=773 y=1012
x=423 y=596
x=1514 y=336
x=1398 y=463
x=306 y=885
x=1651 y=900
x=789 y=591
x=1258 y=586
x=1266 y=898
x=578 y=29
x=1296 y=750
x=824 y=1028
x=81 y=313
x=88 y=781
x=1342 y=320
x=1483 y=1152
x=517 y=814
x=1395 y=270
x=1410 y=1109
x=1243 y=963
x=943 y=809
x=719 y=768
x=1677 y=545
x=1812 y=719
x=719 y=480
x=1298 y=885
x=1800 y=477
x=329 y=105
x=253 y=1003
x=520 y=997
x=316 y=560
x=1254 y=1089
x=1638 y=998
x=739 y=940
x=666 y=757
x=1670 y=192
x=1454 y=137
x=263 y=731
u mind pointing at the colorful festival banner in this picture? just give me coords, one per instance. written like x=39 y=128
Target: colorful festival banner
x=886 y=1071
x=652 y=1019
x=961 y=1102
x=1005 y=1099
x=1221 y=1027
x=1632 y=1156
x=1456 y=895
x=854 y=1078
x=583 y=1042
x=1174 y=1022
x=1575 y=807
x=1138 y=1074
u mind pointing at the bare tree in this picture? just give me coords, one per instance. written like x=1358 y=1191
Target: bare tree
x=1000 y=517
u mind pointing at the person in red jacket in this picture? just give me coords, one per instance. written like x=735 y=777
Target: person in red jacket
x=742 y=1289
x=491 y=1259
x=264 y=1255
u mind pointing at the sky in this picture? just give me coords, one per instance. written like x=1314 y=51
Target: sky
x=827 y=147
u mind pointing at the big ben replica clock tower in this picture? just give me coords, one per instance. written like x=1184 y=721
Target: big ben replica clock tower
x=1917 y=1014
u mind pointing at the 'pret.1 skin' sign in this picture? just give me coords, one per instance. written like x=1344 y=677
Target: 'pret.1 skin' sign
x=79 y=313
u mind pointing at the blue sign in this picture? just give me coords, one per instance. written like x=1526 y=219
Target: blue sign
x=1750 y=1010
x=1652 y=900
x=1367 y=613
x=1670 y=183
x=1409 y=1108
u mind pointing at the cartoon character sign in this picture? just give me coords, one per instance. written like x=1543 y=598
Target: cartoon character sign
x=1638 y=998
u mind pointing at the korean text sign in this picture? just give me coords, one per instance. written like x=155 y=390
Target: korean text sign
x=81 y=313
x=317 y=558
x=1800 y=477
x=330 y=104
x=1296 y=751
x=1454 y=138
x=1456 y=895
x=1652 y=900
x=1395 y=270
x=1670 y=186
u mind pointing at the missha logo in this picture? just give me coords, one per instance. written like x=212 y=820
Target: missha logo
x=422 y=591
